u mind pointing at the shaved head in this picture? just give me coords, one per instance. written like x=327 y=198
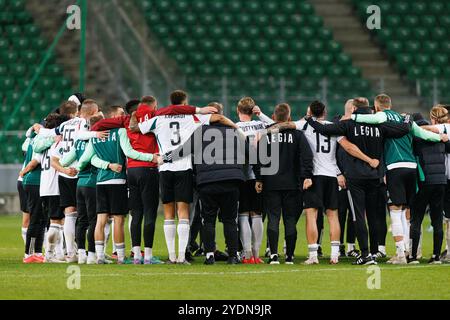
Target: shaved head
x=88 y=108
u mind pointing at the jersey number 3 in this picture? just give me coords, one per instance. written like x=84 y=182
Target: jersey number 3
x=175 y=127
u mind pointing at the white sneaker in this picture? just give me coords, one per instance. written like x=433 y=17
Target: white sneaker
x=400 y=260
x=91 y=260
x=446 y=259
x=82 y=259
x=72 y=259
x=311 y=261
x=391 y=260
x=51 y=258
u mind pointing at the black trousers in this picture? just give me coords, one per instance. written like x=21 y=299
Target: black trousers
x=319 y=222
x=345 y=218
x=447 y=200
x=286 y=203
x=38 y=220
x=381 y=215
x=87 y=217
x=144 y=202
x=363 y=199
x=196 y=223
x=432 y=195
x=220 y=197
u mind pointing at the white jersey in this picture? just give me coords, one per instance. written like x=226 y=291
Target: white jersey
x=445 y=128
x=251 y=129
x=49 y=176
x=71 y=131
x=173 y=131
x=323 y=148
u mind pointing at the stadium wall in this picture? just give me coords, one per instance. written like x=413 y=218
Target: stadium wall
x=9 y=198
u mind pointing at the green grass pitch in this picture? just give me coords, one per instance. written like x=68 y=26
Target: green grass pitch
x=197 y=282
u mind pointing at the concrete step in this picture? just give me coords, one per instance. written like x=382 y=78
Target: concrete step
x=336 y=9
x=347 y=29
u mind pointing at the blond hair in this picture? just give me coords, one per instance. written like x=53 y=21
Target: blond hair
x=439 y=113
x=246 y=105
x=384 y=101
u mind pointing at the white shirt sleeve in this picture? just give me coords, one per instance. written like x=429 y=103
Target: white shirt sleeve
x=441 y=128
x=148 y=125
x=37 y=157
x=300 y=124
x=204 y=118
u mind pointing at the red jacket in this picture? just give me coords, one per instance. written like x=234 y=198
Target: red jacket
x=142 y=143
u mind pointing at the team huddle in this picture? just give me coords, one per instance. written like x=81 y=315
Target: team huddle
x=87 y=167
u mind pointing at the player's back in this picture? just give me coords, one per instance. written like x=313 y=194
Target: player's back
x=399 y=149
x=49 y=176
x=109 y=149
x=324 y=149
x=172 y=132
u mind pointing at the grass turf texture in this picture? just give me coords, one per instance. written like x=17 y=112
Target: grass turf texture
x=197 y=282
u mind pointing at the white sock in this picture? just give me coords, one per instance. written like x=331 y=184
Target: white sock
x=257 y=234
x=209 y=254
x=312 y=249
x=114 y=245
x=107 y=233
x=45 y=243
x=24 y=235
x=335 y=249
x=69 y=232
x=137 y=253
x=170 y=231
x=120 y=247
x=82 y=253
x=183 y=238
x=245 y=235
x=53 y=236
x=406 y=225
x=350 y=247
x=419 y=249
x=59 y=248
x=100 y=250
x=148 y=254
x=400 y=245
x=382 y=249
x=91 y=256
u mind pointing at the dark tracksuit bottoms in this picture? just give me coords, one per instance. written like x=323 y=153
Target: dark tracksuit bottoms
x=143 y=183
x=223 y=197
x=87 y=217
x=381 y=215
x=38 y=220
x=432 y=195
x=286 y=203
x=345 y=218
x=363 y=198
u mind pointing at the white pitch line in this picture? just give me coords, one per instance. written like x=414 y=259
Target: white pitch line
x=169 y=273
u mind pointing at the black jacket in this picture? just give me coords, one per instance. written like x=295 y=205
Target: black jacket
x=229 y=158
x=295 y=161
x=432 y=158
x=369 y=138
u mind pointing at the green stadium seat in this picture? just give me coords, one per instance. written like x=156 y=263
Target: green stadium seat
x=401 y=7
x=31 y=30
x=439 y=33
x=393 y=21
x=411 y=21
x=436 y=7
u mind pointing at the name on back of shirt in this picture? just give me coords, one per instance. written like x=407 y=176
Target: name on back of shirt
x=367 y=131
x=112 y=137
x=280 y=137
x=253 y=127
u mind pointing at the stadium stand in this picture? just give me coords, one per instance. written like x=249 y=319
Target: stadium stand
x=21 y=50
x=254 y=44
x=416 y=37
